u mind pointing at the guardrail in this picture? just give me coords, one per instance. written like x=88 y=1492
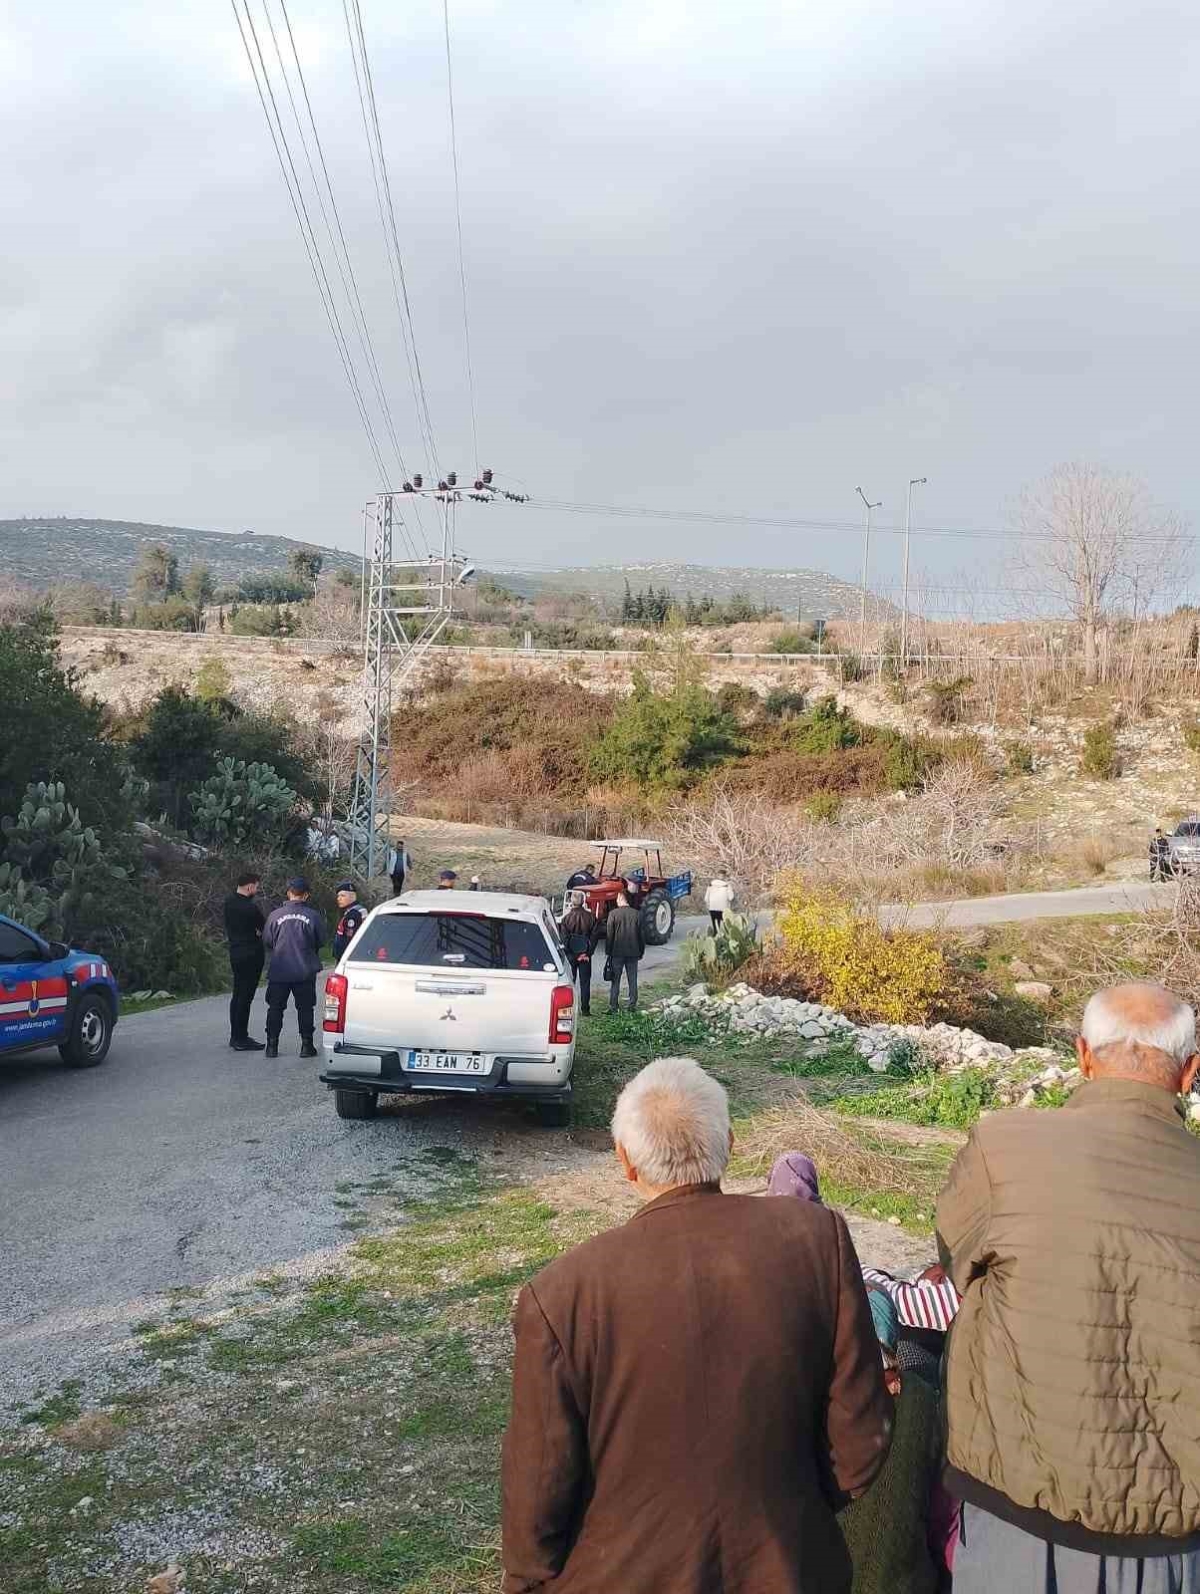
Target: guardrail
x=307 y=645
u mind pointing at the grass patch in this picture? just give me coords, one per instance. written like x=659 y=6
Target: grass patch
x=357 y=1550
x=63 y=1406
x=945 y=1101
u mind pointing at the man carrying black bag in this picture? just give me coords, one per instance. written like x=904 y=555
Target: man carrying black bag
x=581 y=935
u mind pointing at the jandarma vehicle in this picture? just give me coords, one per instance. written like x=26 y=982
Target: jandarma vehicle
x=54 y=995
x=453 y=991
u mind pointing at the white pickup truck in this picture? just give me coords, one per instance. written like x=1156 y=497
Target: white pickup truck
x=452 y=991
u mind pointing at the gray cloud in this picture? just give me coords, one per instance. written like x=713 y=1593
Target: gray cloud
x=720 y=257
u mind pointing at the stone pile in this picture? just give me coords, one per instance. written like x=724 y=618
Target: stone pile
x=1023 y=1077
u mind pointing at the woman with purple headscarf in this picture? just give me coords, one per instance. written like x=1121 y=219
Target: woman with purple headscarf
x=795 y=1174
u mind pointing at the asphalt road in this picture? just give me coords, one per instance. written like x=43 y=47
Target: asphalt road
x=1128 y=897
x=178 y=1164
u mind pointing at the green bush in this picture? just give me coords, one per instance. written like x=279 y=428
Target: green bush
x=1018 y=758
x=826 y=728
x=906 y=762
x=663 y=740
x=1100 y=759
x=824 y=806
x=50 y=732
x=783 y=703
x=791 y=641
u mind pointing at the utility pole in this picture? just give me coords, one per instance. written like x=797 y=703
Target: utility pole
x=409 y=603
x=917 y=481
x=862 y=611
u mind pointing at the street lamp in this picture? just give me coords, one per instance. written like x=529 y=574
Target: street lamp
x=862 y=611
x=917 y=481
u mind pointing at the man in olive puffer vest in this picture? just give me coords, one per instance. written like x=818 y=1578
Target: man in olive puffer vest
x=1073 y=1371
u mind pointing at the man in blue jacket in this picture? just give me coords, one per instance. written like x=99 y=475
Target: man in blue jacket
x=293 y=936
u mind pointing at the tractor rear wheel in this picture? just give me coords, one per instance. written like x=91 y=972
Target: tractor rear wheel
x=658 y=918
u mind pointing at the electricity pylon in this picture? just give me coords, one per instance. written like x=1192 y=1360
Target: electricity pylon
x=407 y=605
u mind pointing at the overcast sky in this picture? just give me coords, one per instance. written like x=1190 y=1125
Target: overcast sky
x=720 y=256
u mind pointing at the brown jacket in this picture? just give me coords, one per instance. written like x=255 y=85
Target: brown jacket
x=1073 y=1374
x=691 y=1391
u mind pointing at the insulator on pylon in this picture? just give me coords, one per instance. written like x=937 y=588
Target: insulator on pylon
x=407 y=487
x=487 y=478
x=452 y=478
x=418 y=481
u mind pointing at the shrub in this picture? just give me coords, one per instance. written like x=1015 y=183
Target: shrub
x=1018 y=758
x=947 y=700
x=852 y=669
x=1100 y=758
x=49 y=731
x=1190 y=730
x=857 y=967
x=826 y=728
x=663 y=739
x=783 y=703
x=907 y=763
x=791 y=641
x=734 y=698
x=824 y=805
x=213 y=681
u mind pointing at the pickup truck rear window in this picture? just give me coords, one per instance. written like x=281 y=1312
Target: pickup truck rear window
x=455 y=941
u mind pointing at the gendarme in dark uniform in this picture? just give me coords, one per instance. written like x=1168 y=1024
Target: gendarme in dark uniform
x=293 y=936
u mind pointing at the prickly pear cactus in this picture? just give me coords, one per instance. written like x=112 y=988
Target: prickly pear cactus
x=241 y=802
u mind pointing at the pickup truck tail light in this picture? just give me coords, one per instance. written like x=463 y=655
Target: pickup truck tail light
x=562 y=1015
x=335 y=1004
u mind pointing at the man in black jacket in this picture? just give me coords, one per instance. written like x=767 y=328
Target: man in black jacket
x=243 y=931
x=581 y=935
x=624 y=944
x=293 y=935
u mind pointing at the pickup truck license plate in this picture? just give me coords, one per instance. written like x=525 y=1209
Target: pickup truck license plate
x=445 y=1063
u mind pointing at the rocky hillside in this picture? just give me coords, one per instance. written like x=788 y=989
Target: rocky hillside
x=804 y=594
x=45 y=552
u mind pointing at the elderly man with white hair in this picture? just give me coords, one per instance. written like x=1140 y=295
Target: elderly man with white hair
x=696 y=1391
x=1073 y=1376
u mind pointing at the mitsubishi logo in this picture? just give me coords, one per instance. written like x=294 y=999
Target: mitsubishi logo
x=449 y=1014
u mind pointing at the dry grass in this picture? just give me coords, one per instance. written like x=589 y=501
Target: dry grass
x=1092 y=854
x=94 y=1430
x=849 y=1157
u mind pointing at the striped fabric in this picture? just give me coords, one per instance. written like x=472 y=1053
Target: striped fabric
x=920 y=1305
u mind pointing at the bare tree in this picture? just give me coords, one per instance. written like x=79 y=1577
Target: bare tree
x=1096 y=543
x=744 y=838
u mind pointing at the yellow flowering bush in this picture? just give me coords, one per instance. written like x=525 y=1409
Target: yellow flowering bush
x=850 y=963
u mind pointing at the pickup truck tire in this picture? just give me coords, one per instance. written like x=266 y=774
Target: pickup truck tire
x=356 y=1103
x=658 y=918
x=90 y=1036
x=553 y=1114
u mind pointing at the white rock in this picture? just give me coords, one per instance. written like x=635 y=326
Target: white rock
x=83 y=1507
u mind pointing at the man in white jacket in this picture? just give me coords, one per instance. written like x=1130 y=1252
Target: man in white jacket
x=718 y=899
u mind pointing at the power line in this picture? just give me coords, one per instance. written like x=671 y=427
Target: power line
x=341 y=256
x=796 y=523
x=462 y=269
x=387 y=216
x=283 y=155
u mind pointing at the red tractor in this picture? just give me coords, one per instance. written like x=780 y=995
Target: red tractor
x=656 y=893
